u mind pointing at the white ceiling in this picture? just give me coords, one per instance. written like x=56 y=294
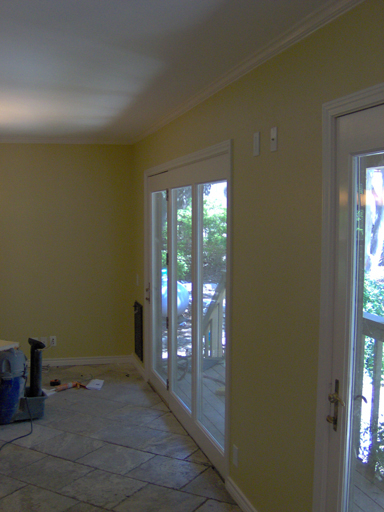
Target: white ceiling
x=112 y=71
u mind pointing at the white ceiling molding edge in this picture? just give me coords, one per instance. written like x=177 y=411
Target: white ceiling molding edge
x=300 y=31
x=89 y=140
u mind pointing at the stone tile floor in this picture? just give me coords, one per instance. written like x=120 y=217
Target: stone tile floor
x=118 y=449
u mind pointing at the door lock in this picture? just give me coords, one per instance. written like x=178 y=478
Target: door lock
x=336 y=401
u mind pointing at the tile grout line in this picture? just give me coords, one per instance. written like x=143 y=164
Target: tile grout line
x=71 y=408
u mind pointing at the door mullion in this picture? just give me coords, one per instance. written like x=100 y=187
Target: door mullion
x=197 y=230
x=171 y=272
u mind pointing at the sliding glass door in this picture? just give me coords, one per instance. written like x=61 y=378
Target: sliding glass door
x=187 y=270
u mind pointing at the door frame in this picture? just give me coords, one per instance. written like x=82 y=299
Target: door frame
x=202 y=155
x=361 y=100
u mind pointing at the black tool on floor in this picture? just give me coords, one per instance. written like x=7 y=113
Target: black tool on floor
x=36 y=367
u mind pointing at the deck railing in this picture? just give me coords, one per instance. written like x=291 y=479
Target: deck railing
x=212 y=326
x=373 y=327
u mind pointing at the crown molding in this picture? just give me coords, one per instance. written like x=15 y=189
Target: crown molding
x=80 y=140
x=298 y=32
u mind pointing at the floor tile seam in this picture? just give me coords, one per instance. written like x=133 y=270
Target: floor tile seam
x=78 y=394
x=135 y=492
x=101 y=508
x=185 y=460
x=201 y=504
x=197 y=450
x=169 y=488
x=63 y=458
x=171 y=458
x=162 y=430
x=69 y=407
x=10 y=475
x=92 y=416
x=232 y=502
x=129 y=448
x=57 y=491
x=96 y=468
x=129 y=424
x=27 y=464
x=154 y=453
x=81 y=434
x=194 y=478
x=171 y=434
x=113 y=472
x=145 y=407
x=79 y=401
x=54 y=490
x=18 y=489
x=35 y=486
x=15 y=491
x=172 y=489
x=181 y=490
x=138 y=467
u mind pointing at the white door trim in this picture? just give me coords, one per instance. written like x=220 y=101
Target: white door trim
x=331 y=111
x=223 y=148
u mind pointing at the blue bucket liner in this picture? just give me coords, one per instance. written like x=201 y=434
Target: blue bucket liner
x=13 y=377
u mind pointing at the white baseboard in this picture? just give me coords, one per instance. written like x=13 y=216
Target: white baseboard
x=77 y=361
x=238 y=496
x=139 y=366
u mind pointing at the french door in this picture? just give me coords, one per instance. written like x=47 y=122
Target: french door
x=350 y=444
x=187 y=292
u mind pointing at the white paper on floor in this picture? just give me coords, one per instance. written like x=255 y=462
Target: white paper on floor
x=95 y=384
x=49 y=392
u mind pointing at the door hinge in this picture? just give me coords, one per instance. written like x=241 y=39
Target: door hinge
x=167 y=384
x=167 y=259
x=148 y=290
x=167 y=195
x=167 y=323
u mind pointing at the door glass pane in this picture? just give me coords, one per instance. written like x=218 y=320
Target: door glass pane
x=367 y=437
x=182 y=307
x=159 y=284
x=213 y=253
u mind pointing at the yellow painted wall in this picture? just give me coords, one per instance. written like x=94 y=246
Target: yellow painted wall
x=65 y=247
x=276 y=241
x=72 y=242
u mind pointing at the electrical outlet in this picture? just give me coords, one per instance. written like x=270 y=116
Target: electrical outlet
x=44 y=340
x=53 y=341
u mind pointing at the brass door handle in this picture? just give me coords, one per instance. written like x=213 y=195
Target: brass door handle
x=335 y=399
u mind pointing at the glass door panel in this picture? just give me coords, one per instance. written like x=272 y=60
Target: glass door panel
x=366 y=470
x=159 y=282
x=212 y=284
x=181 y=264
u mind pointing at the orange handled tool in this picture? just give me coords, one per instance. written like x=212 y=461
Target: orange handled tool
x=70 y=385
